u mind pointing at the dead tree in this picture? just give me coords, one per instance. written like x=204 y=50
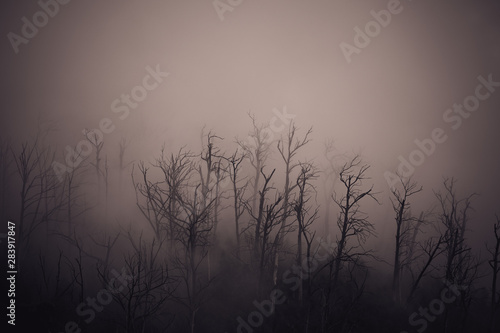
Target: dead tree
x=76 y=264
x=52 y=285
x=257 y=149
x=305 y=217
x=146 y=287
x=234 y=162
x=177 y=170
x=105 y=174
x=272 y=214
x=208 y=156
x=400 y=200
x=151 y=200
x=334 y=160
x=258 y=215
x=100 y=255
x=158 y=199
x=266 y=219
x=460 y=265
x=40 y=198
x=412 y=241
x=494 y=263
x=193 y=230
x=210 y=180
x=97 y=144
x=430 y=250
x=454 y=225
x=105 y=245
x=288 y=149
x=454 y=217
x=123 y=145
x=352 y=224
x=72 y=181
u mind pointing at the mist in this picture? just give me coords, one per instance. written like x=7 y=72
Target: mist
x=238 y=166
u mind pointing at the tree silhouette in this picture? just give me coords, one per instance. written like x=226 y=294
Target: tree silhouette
x=401 y=205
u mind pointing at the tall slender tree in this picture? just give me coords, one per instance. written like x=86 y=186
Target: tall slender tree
x=494 y=263
x=401 y=205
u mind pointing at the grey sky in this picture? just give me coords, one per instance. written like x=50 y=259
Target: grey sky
x=265 y=55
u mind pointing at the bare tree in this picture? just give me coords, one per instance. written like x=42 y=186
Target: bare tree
x=351 y=222
x=460 y=265
x=454 y=217
x=431 y=250
x=334 y=160
x=98 y=144
x=257 y=151
x=40 y=200
x=264 y=221
x=214 y=173
x=75 y=263
x=494 y=263
x=188 y=207
x=412 y=241
x=148 y=287
x=158 y=200
x=72 y=181
x=52 y=286
x=177 y=170
x=151 y=200
x=234 y=162
x=209 y=151
x=272 y=214
x=123 y=145
x=192 y=231
x=401 y=205
x=101 y=255
x=288 y=149
x=305 y=216
x=107 y=244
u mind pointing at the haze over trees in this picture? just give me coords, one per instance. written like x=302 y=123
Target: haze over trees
x=243 y=235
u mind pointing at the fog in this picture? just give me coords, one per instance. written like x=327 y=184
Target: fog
x=409 y=88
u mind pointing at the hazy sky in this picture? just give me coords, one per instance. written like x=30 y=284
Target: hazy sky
x=264 y=55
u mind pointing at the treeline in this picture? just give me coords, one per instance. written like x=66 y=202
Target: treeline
x=235 y=237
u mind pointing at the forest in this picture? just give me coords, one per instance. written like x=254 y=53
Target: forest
x=268 y=232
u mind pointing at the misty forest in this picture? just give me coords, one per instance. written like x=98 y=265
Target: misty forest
x=237 y=166
x=243 y=235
